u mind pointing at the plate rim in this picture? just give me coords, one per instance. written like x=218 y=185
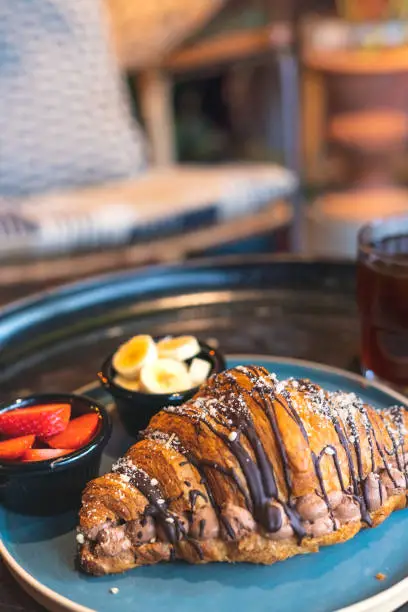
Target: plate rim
x=387 y=600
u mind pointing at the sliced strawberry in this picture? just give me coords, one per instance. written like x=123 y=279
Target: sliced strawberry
x=78 y=432
x=42 y=454
x=41 y=420
x=11 y=450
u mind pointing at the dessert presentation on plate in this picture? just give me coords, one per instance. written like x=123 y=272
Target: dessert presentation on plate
x=250 y=469
x=210 y=460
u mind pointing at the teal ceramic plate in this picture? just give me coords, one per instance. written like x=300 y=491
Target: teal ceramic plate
x=41 y=552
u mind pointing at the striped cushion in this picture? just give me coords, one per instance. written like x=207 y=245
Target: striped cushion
x=162 y=201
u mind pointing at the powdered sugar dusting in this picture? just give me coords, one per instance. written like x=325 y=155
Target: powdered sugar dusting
x=267 y=384
x=280 y=387
x=316 y=398
x=395 y=424
x=169 y=440
x=226 y=406
x=351 y=411
x=126 y=468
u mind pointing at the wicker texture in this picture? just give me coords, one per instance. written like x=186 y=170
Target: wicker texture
x=65 y=120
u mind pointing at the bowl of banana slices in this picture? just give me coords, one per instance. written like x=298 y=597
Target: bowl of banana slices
x=145 y=374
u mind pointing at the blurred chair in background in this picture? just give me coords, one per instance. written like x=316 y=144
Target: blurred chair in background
x=73 y=161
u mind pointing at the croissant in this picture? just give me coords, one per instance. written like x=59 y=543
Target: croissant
x=251 y=469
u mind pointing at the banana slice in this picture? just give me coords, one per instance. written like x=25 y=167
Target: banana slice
x=125 y=383
x=199 y=371
x=179 y=348
x=165 y=376
x=133 y=355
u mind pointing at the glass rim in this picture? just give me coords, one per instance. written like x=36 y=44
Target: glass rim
x=365 y=247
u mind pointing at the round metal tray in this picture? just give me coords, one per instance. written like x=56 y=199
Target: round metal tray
x=57 y=340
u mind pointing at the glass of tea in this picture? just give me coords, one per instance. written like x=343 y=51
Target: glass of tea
x=382 y=291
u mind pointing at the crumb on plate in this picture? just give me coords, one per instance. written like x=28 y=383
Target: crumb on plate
x=114 y=590
x=380 y=576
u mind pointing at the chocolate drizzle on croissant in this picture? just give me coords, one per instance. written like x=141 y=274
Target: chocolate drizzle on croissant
x=251 y=469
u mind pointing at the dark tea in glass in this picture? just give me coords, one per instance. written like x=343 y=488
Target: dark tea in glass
x=382 y=289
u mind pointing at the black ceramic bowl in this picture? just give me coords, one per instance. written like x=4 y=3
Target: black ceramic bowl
x=136 y=408
x=54 y=485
